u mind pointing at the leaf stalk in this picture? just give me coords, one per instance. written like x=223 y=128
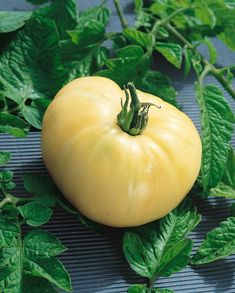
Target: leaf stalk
x=123 y=21
x=217 y=73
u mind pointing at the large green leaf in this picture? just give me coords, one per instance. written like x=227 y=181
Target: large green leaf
x=90 y=34
x=34 y=113
x=142 y=19
x=42 y=244
x=34 y=256
x=13 y=125
x=158 y=84
x=35 y=214
x=21 y=76
x=99 y=13
x=217 y=121
x=138 y=38
x=37 y=285
x=13 y=20
x=218 y=243
x=172 y=52
x=130 y=64
x=204 y=13
x=63 y=12
x=225 y=19
x=81 y=52
x=43 y=188
x=226 y=187
x=162 y=250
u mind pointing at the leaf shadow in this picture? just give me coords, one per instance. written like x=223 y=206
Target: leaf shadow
x=219 y=274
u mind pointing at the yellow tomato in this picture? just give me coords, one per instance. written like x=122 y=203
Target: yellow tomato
x=110 y=176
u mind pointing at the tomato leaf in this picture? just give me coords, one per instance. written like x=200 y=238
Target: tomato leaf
x=13 y=125
x=217 y=126
x=162 y=250
x=6 y=182
x=99 y=13
x=137 y=37
x=204 y=13
x=130 y=64
x=37 y=285
x=50 y=246
x=226 y=187
x=158 y=84
x=13 y=20
x=32 y=256
x=4 y=157
x=223 y=190
x=228 y=22
x=81 y=51
x=172 y=52
x=218 y=243
x=91 y=30
x=21 y=76
x=34 y=113
x=63 y=12
x=35 y=214
x=43 y=188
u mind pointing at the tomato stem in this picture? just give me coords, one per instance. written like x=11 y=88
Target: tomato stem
x=133 y=117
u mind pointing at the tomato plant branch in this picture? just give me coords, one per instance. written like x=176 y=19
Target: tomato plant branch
x=151 y=283
x=9 y=198
x=203 y=74
x=5 y=201
x=123 y=21
x=221 y=79
x=166 y=20
x=217 y=73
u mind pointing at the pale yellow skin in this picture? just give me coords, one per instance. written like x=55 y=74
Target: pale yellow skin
x=108 y=175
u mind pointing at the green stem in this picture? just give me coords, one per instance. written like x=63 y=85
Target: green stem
x=225 y=68
x=133 y=117
x=215 y=71
x=123 y=21
x=151 y=283
x=109 y=35
x=5 y=201
x=179 y=36
x=9 y=198
x=24 y=199
x=203 y=74
x=221 y=79
x=166 y=20
x=173 y=15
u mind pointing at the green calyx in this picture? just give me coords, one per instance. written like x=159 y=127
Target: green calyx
x=133 y=117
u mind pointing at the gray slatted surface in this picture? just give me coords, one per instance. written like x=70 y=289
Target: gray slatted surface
x=96 y=262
